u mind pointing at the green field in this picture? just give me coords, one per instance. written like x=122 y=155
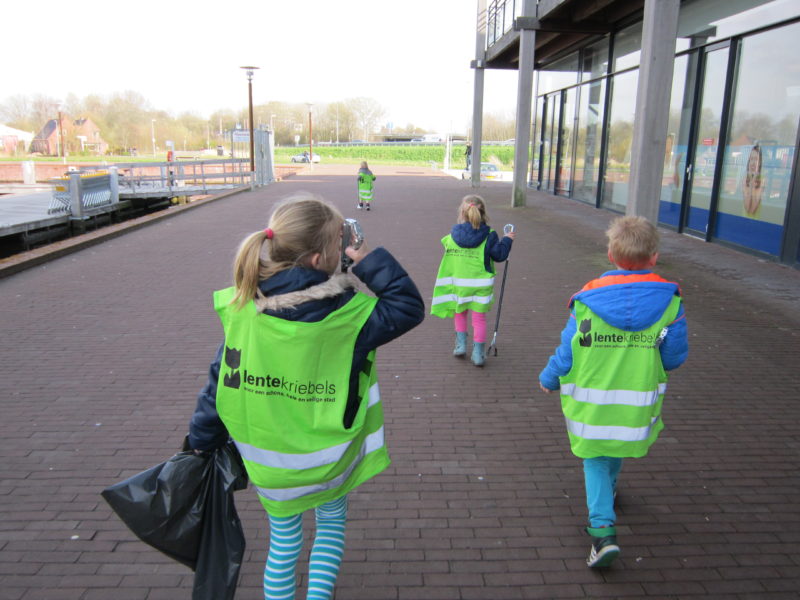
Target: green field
x=411 y=155
x=502 y=156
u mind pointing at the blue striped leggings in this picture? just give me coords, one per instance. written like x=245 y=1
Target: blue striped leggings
x=285 y=543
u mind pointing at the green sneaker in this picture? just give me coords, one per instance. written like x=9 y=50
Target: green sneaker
x=604 y=546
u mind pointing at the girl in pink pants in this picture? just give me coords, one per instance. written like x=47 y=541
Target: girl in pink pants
x=465 y=282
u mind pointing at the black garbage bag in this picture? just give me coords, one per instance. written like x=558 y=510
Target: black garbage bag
x=222 y=539
x=184 y=507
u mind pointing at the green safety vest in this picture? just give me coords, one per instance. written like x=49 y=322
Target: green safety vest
x=282 y=392
x=612 y=395
x=365 y=181
x=462 y=282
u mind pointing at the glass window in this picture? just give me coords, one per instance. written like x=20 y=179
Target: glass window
x=550 y=145
x=620 y=138
x=587 y=142
x=594 y=60
x=628 y=47
x=707 y=143
x=567 y=143
x=536 y=140
x=761 y=144
x=678 y=129
x=560 y=74
x=703 y=21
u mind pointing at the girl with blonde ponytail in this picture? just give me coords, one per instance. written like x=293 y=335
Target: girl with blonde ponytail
x=294 y=384
x=465 y=282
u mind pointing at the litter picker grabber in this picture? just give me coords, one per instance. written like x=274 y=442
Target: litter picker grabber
x=508 y=228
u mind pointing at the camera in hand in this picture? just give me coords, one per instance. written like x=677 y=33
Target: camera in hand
x=352 y=235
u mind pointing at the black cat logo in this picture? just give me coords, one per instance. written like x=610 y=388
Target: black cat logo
x=233 y=359
x=586 y=329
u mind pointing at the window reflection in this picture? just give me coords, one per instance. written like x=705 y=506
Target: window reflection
x=587 y=143
x=702 y=21
x=705 y=151
x=594 y=60
x=560 y=74
x=567 y=135
x=628 y=47
x=620 y=139
x=678 y=130
x=761 y=143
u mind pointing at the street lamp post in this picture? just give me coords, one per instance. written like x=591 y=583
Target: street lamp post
x=62 y=149
x=310 y=135
x=249 y=71
x=153 y=135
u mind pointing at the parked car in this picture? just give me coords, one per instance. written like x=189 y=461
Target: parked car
x=303 y=158
x=489 y=172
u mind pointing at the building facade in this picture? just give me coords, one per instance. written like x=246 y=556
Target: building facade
x=80 y=135
x=728 y=154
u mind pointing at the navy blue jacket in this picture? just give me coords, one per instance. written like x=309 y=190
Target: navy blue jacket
x=496 y=250
x=399 y=309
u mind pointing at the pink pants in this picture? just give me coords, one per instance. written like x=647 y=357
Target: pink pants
x=478 y=324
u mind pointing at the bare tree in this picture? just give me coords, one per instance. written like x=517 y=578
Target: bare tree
x=498 y=126
x=367 y=113
x=16 y=112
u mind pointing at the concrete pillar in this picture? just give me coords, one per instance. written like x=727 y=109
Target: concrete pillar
x=113 y=182
x=75 y=195
x=477 y=96
x=659 y=28
x=28 y=172
x=522 y=137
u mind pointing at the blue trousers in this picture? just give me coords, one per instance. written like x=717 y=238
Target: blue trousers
x=600 y=474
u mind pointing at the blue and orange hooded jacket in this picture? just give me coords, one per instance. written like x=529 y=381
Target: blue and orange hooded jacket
x=627 y=300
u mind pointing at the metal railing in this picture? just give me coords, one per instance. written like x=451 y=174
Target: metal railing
x=178 y=178
x=500 y=17
x=78 y=193
x=97 y=188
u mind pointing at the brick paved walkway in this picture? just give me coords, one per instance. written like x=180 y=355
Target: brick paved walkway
x=104 y=350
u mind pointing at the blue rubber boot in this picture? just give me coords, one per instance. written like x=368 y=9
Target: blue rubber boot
x=461 y=344
x=478 y=354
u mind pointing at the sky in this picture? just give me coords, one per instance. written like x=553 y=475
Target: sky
x=412 y=56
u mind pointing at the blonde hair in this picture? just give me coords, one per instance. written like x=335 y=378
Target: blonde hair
x=301 y=225
x=632 y=241
x=364 y=164
x=472 y=210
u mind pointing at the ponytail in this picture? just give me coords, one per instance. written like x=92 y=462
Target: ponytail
x=247 y=269
x=473 y=211
x=300 y=226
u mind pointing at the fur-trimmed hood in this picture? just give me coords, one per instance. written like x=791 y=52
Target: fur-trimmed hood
x=335 y=286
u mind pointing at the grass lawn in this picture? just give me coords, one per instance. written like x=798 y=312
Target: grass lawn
x=422 y=155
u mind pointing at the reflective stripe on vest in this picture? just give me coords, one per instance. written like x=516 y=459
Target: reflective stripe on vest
x=281 y=460
x=372 y=442
x=462 y=282
x=459 y=300
x=611 y=432
x=627 y=397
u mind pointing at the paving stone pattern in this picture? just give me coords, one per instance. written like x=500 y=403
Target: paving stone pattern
x=105 y=349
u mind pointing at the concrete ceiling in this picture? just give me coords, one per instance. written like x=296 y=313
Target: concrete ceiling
x=561 y=26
